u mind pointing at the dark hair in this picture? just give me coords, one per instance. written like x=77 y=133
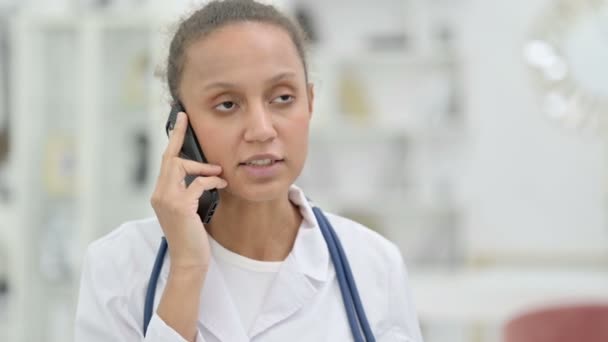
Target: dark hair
x=217 y=14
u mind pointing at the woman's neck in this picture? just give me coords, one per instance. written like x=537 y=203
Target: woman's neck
x=257 y=230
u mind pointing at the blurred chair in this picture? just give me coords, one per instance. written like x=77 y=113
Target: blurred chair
x=571 y=323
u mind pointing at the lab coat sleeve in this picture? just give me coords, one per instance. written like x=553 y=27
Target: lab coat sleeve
x=158 y=330
x=103 y=315
x=402 y=311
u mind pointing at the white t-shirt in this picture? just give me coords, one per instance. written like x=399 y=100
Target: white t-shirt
x=238 y=270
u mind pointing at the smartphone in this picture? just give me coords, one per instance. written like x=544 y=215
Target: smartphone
x=191 y=149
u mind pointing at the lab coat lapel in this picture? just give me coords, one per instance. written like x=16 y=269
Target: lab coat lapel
x=218 y=313
x=302 y=274
x=288 y=293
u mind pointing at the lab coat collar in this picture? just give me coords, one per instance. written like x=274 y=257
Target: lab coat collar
x=302 y=273
x=300 y=277
x=310 y=250
x=289 y=292
x=218 y=313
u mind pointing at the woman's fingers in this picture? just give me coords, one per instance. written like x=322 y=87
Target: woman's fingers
x=176 y=137
x=201 y=184
x=192 y=167
x=174 y=168
x=177 y=169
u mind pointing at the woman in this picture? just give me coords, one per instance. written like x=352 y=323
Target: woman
x=261 y=269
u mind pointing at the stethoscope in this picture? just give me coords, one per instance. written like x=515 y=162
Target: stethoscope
x=350 y=296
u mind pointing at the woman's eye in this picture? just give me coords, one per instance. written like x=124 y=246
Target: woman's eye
x=283 y=99
x=225 y=106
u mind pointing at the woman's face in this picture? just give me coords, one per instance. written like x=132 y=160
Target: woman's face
x=245 y=92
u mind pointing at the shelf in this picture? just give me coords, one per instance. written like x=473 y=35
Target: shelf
x=7 y=225
x=349 y=132
x=133 y=20
x=342 y=131
x=388 y=58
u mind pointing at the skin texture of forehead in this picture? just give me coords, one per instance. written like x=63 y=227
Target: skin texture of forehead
x=242 y=46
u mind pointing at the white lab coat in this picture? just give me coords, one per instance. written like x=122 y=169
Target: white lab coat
x=304 y=303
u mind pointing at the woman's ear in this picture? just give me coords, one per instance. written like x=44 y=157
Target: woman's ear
x=310 y=89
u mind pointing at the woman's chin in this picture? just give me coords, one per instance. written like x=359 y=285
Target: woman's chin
x=258 y=192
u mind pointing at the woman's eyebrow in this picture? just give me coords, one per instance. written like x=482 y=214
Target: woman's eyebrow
x=281 y=76
x=220 y=85
x=227 y=85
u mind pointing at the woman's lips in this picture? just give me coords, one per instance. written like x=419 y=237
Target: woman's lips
x=261 y=157
x=262 y=168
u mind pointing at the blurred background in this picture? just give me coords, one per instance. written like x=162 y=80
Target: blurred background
x=471 y=133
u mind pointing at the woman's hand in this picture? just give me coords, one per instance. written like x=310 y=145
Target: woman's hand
x=176 y=205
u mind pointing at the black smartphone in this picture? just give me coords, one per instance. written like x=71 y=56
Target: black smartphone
x=191 y=149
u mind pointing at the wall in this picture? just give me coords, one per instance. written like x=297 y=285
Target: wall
x=531 y=186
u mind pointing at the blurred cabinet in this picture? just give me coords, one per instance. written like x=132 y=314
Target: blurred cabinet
x=389 y=126
x=87 y=142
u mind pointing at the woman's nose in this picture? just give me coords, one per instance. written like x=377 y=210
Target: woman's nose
x=260 y=126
